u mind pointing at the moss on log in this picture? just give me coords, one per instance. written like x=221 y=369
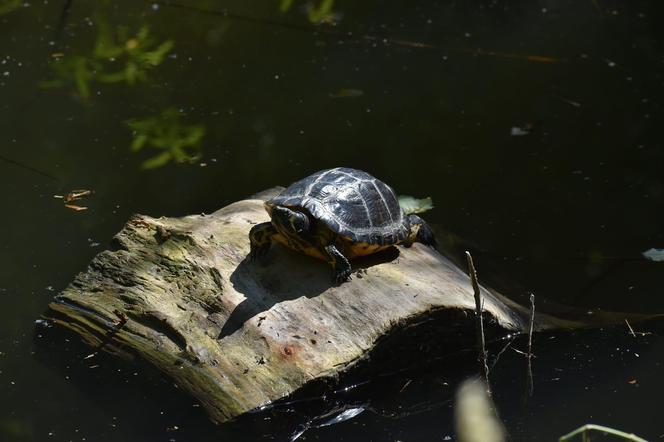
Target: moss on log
x=180 y=294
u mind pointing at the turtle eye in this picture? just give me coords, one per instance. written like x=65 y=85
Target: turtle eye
x=298 y=222
x=292 y=220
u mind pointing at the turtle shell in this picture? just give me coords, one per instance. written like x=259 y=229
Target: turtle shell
x=350 y=202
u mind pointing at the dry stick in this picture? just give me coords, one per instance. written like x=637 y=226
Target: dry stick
x=631 y=330
x=479 y=323
x=530 y=345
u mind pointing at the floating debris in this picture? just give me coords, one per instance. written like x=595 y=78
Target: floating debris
x=43 y=323
x=75 y=207
x=347 y=93
x=570 y=102
x=518 y=132
x=656 y=255
x=411 y=204
x=326 y=420
x=526 y=129
x=74 y=195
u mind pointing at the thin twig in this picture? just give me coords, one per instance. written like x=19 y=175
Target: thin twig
x=510 y=339
x=631 y=330
x=530 y=345
x=27 y=167
x=479 y=323
x=635 y=333
x=606 y=430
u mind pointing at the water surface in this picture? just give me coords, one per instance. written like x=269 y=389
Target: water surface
x=534 y=126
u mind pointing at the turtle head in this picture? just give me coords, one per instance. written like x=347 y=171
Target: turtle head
x=421 y=232
x=289 y=222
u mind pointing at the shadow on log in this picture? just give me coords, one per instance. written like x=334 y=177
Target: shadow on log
x=180 y=294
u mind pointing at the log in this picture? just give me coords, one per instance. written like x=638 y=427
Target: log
x=181 y=294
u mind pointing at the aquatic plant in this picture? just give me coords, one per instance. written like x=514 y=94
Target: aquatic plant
x=319 y=14
x=7 y=6
x=178 y=142
x=118 y=56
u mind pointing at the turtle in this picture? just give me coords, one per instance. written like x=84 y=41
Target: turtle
x=337 y=215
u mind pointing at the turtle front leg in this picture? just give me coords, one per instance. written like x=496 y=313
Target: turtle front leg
x=338 y=262
x=260 y=239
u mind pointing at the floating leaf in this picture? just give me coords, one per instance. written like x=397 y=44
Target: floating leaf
x=410 y=204
x=656 y=255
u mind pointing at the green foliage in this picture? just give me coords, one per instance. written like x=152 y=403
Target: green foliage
x=177 y=141
x=117 y=57
x=7 y=6
x=285 y=5
x=321 y=13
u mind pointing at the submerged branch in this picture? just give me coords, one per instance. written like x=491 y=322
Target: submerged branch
x=606 y=430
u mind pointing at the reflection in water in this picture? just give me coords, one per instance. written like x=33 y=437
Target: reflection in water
x=178 y=142
x=120 y=56
x=320 y=14
x=7 y=6
x=117 y=57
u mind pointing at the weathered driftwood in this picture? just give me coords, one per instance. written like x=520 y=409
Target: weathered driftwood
x=181 y=294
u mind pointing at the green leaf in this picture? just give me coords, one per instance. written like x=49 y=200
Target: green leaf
x=157 y=161
x=115 y=77
x=410 y=204
x=139 y=142
x=7 y=6
x=323 y=10
x=285 y=5
x=131 y=72
x=156 y=57
x=105 y=46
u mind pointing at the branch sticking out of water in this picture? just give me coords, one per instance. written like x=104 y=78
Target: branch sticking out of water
x=530 y=345
x=479 y=323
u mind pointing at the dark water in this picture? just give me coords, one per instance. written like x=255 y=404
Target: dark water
x=536 y=127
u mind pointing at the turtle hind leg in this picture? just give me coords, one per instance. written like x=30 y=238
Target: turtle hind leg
x=260 y=239
x=338 y=262
x=421 y=232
